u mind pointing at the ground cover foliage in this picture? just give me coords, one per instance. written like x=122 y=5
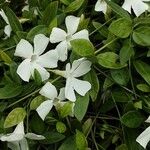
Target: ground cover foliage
x=111 y=114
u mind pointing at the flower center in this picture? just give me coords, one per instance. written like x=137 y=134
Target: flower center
x=68 y=37
x=34 y=58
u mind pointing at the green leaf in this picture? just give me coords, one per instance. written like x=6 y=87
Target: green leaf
x=69 y=144
x=82 y=47
x=118 y=10
x=40 y=29
x=143 y=87
x=141 y=36
x=10 y=91
x=126 y=52
x=121 y=96
x=87 y=126
x=65 y=110
x=5 y=57
x=52 y=137
x=50 y=13
x=122 y=147
x=143 y=69
x=81 y=106
x=35 y=103
x=109 y=60
x=121 y=27
x=75 y=5
x=101 y=29
x=14 y=117
x=120 y=76
x=61 y=127
x=13 y=20
x=93 y=79
x=37 y=77
x=81 y=141
x=132 y=119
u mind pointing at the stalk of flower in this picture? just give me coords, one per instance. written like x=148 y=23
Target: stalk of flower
x=101 y=5
x=144 y=137
x=7 y=29
x=63 y=38
x=138 y=6
x=34 y=58
x=50 y=92
x=79 y=68
x=17 y=140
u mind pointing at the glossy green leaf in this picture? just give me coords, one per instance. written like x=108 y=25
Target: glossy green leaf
x=82 y=47
x=109 y=60
x=120 y=76
x=93 y=79
x=81 y=141
x=13 y=20
x=141 y=36
x=143 y=69
x=121 y=27
x=75 y=5
x=14 y=117
x=10 y=91
x=132 y=119
x=143 y=87
x=81 y=106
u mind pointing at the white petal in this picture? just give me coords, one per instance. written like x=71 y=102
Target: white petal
x=49 y=91
x=14 y=145
x=7 y=30
x=69 y=90
x=33 y=136
x=24 y=49
x=24 y=144
x=44 y=108
x=42 y=71
x=83 y=34
x=17 y=135
x=19 y=128
x=57 y=35
x=81 y=87
x=72 y=24
x=144 y=137
x=25 y=8
x=139 y=7
x=40 y=43
x=80 y=67
x=24 y=70
x=148 y=120
x=49 y=59
x=62 y=51
x=61 y=95
x=127 y=5
x=2 y=13
x=101 y=6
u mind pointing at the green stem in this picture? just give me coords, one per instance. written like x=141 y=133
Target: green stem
x=103 y=47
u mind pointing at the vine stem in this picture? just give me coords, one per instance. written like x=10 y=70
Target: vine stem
x=103 y=47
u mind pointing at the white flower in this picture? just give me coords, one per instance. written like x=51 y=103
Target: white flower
x=58 y=35
x=7 y=29
x=101 y=5
x=17 y=139
x=34 y=59
x=138 y=6
x=50 y=92
x=78 y=69
x=144 y=137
